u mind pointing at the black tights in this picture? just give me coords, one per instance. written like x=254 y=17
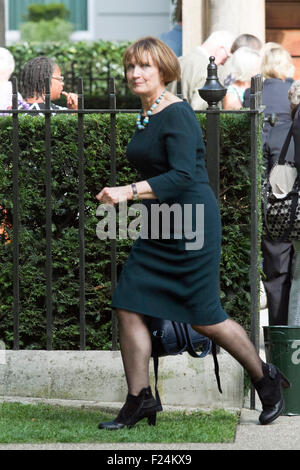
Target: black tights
x=135 y=343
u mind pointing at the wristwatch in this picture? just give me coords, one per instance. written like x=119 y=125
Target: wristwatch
x=134 y=192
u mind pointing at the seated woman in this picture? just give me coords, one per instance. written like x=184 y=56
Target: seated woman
x=34 y=75
x=245 y=64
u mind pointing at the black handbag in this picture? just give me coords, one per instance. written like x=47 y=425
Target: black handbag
x=170 y=338
x=281 y=212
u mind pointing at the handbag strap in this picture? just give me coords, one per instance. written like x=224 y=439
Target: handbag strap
x=210 y=345
x=296 y=135
x=155 y=362
x=216 y=364
x=284 y=149
x=191 y=350
x=180 y=335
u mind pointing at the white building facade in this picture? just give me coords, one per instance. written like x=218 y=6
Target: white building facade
x=113 y=20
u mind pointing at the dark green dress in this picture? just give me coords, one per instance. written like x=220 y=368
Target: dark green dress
x=165 y=276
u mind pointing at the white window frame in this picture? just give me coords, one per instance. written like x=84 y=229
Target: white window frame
x=88 y=35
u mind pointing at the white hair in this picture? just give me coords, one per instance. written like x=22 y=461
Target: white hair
x=245 y=63
x=221 y=38
x=7 y=64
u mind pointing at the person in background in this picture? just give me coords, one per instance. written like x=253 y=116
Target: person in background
x=243 y=40
x=7 y=66
x=245 y=63
x=34 y=75
x=194 y=66
x=278 y=257
x=173 y=38
x=294 y=300
x=247 y=40
x=278 y=71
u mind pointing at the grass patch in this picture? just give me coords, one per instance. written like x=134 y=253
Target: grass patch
x=20 y=423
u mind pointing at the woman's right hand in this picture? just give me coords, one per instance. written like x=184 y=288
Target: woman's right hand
x=72 y=100
x=115 y=195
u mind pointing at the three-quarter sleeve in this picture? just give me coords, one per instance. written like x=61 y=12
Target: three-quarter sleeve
x=181 y=133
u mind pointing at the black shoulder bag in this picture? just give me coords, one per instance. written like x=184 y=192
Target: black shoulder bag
x=170 y=338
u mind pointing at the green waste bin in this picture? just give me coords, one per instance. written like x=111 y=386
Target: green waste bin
x=282 y=347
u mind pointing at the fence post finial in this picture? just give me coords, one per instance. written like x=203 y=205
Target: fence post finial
x=213 y=91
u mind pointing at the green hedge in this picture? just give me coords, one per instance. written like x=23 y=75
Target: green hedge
x=235 y=209
x=99 y=53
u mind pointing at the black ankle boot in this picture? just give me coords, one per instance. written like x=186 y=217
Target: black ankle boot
x=270 y=393
x=135 y=409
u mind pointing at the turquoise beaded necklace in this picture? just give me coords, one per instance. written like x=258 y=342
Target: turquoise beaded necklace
x=142 y=125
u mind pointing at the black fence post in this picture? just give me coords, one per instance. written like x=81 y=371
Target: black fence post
x=16 y=210
x=212 y=93
x=178 y=89
x=91 y=78
x=255 y=108
x=73 y=75
x=113 y=182
x=49 y=304
x=81 y=178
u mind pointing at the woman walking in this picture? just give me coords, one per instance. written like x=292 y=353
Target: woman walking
x=167 y=278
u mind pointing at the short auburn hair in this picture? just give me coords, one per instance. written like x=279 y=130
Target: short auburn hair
x=161 y=54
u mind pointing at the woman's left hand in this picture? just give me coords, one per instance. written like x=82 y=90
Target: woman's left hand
x=115 y=195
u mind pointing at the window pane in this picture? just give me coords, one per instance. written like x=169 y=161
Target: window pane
x=78 y=9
